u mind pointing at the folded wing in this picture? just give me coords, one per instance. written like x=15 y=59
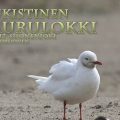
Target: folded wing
x=63 y=70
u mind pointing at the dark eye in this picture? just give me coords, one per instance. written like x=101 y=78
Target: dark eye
x=86 y=59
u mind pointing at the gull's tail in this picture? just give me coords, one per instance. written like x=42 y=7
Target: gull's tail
x=39 y=79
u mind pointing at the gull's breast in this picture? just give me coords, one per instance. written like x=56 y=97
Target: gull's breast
x=79 y=89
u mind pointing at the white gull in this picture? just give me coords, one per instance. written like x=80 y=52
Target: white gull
x=73 y=81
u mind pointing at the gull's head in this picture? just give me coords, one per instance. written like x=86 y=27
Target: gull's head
x=89 y=59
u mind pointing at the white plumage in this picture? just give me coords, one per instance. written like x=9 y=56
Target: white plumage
x=74 y=80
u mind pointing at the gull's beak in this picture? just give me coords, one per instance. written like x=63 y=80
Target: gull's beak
x=97 y=62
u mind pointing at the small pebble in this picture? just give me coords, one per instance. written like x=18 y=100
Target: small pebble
x=102 y=118
x=47 y=106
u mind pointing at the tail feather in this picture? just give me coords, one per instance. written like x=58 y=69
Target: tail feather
x=37 y=77
x=39 y=80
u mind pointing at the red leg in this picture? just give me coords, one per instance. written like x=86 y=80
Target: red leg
x=80 y=106
x=64 y=118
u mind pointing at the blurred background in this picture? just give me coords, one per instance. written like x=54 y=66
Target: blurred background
x=19 y=60
x=79 y=6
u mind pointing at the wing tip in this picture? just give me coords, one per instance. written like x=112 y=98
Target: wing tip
x=29 y=75
x=33 y=76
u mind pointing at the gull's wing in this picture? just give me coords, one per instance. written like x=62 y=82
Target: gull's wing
x=72 y=60
x=63 y=70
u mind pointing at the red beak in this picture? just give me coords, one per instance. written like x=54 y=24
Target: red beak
x=97 y=62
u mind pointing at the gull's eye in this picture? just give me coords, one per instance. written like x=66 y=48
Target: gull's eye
x=86 y=59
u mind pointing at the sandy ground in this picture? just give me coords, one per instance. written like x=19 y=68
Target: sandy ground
x=35 y=105
x=19 y=99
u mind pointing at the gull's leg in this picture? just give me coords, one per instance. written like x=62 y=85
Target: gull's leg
x=80 y=106
x=64 y=118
